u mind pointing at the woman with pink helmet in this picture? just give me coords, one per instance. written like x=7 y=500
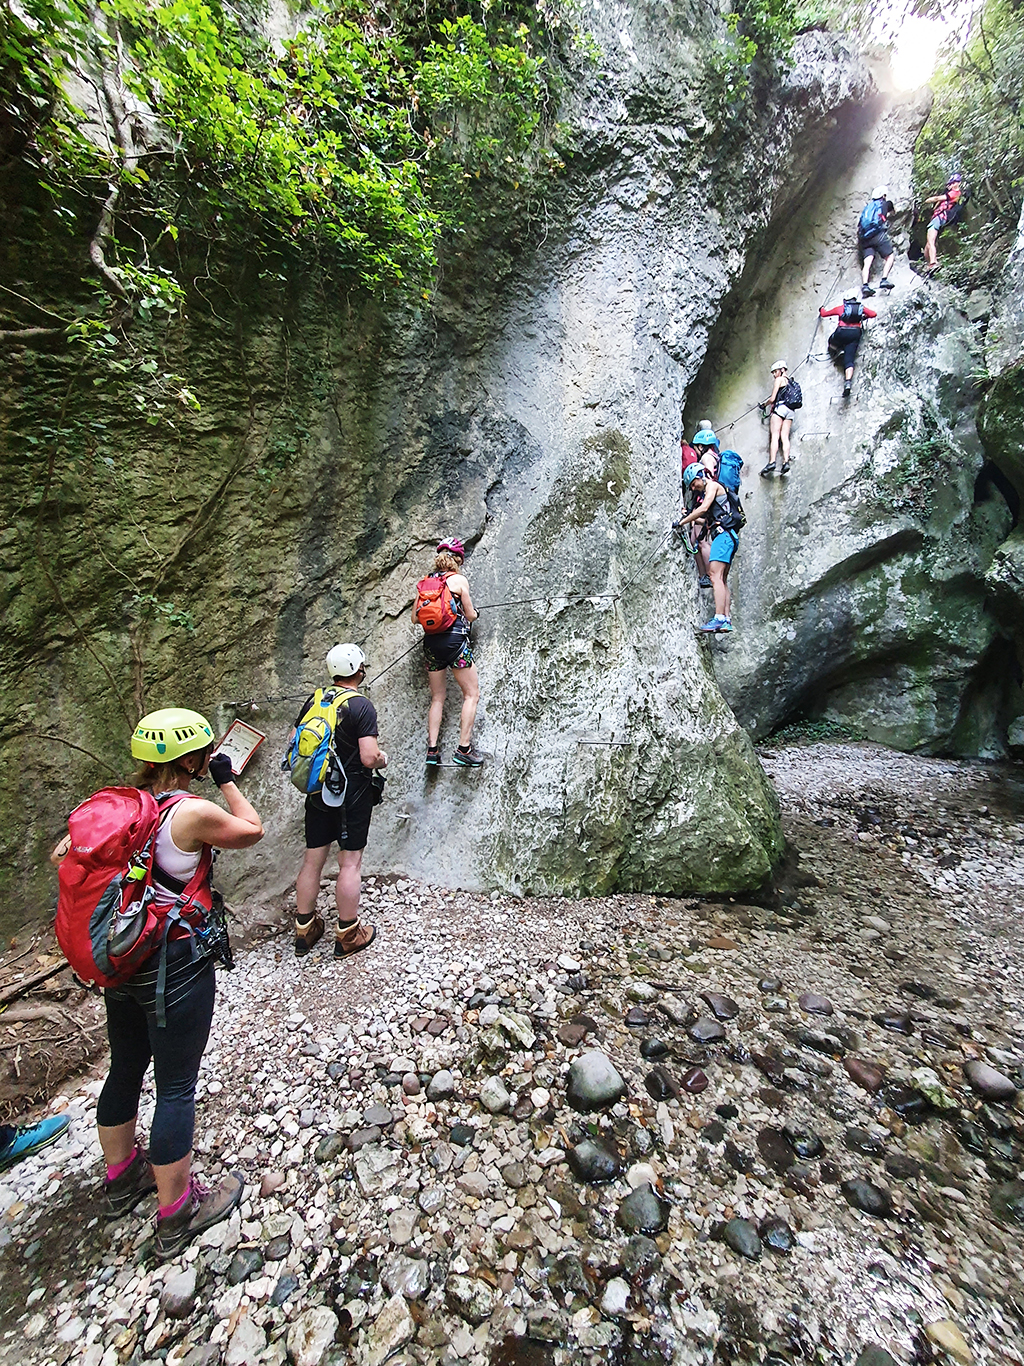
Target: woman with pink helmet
x=445 y=610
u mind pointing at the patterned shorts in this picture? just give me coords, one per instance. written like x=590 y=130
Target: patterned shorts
x=462 y=660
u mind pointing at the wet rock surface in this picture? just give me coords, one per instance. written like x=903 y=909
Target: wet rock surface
x=792 y=1197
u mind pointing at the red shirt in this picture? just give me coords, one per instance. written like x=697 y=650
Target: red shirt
x=837 y=311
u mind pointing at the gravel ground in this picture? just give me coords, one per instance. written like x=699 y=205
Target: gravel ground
x=420 y=1189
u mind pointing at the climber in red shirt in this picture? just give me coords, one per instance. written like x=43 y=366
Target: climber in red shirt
x=947 y=211
x=846 y=338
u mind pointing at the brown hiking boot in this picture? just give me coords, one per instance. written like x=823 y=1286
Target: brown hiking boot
x=307 y=936
x=201 y=1209
x=125 y=1191
x=349 y=939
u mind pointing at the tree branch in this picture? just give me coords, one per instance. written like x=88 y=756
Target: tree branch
x=30 y=333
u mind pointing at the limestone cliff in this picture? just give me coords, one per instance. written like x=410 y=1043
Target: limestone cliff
x=534 y=410
x=861 y=590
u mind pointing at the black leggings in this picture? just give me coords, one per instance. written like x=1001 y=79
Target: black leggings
x=176 y=1050
x=845 y=340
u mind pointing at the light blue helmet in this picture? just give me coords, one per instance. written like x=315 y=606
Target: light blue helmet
x=706 y=438
x=694 y=471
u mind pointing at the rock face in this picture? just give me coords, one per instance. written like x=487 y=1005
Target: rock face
x=860 y=586
x=534 y=412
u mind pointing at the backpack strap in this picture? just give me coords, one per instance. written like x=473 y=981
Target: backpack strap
x=176 y=916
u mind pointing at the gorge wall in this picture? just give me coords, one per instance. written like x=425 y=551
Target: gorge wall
x=533 y=409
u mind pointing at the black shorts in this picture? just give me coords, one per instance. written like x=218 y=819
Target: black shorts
x=880 y=243
x=325 y=824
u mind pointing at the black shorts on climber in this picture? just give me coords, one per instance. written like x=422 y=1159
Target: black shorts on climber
x=445 y=611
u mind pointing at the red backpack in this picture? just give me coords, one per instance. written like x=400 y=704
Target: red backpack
x=690 y=456
x=434 y=608
x=107 y=921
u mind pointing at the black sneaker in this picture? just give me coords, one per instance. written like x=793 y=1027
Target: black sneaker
x=468 y=758
x=134 y=1184
x=433 y=756
x=703 y=581
x=846 y=388
x=768 y=470
x=866 y=292
x=202 y=1209
x=886 y=285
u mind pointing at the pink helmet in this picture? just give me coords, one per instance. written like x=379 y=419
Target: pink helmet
x=454 y=547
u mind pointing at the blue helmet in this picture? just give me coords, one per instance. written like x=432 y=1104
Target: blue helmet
x=706 y=438
x=694 y=471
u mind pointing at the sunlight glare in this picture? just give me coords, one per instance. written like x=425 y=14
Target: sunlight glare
x=915 y=51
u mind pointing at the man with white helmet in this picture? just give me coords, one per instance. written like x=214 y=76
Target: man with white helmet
x=348 y=825
x=873 y=240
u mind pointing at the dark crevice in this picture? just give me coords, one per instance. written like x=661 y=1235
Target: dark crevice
x=991 y=481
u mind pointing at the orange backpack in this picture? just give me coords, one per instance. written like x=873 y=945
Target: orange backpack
x=434 y=608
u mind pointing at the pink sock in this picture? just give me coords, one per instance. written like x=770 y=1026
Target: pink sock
x=115 y=1171
x=165 y=1211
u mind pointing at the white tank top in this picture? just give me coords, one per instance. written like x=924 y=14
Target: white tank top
x=177 y=863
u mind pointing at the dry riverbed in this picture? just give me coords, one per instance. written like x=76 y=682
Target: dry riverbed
x=785 y=1160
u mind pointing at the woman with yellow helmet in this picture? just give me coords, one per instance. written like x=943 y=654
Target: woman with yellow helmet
x=175 y=747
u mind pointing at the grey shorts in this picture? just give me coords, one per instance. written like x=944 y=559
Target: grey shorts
x=880 y=246
x=784 y=411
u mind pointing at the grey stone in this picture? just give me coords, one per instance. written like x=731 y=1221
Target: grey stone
x=311 y=1335
x=615 y=1301
x=178 y=1296
x=986 y=1082
x=706 y=1030
x=742 y=1237
x=1007 y=1202
x=393 y=1327
x=866 y=1196
x=469 y=1297
x=246 y=1345
x=493 y=1095
x=594 y=1083
x=643 y=1211
x=246 y=1262
x=594 y=1161
x=408 y=1276
x=329 y=1148
x=442 y=1086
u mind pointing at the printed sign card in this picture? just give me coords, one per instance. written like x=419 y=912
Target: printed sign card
x=240 y=743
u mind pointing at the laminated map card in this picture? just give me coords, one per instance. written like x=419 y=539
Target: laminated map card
x=240 y=743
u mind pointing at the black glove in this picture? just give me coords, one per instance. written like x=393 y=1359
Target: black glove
x=220 y=770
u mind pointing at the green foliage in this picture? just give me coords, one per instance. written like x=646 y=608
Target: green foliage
x=976 y=127
x=760 y=40
x=810 y=732
x=350 y=143
x=147 y=607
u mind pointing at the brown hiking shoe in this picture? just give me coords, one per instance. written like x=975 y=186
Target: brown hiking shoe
x=125 y=1191
x=349 y=939
x=202 y=1208
x=307 y=936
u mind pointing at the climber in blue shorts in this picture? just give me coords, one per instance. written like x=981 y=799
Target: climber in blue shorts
x=717 y=509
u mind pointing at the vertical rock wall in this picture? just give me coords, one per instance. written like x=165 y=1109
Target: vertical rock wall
x=860 y=590
x=536 y=416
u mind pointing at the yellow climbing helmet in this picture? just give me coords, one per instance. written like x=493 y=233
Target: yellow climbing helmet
x=164 y=735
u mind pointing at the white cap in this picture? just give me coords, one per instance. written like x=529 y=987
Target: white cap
x=344 y=661
x=705 y=426
x=880 y=192
x=779 y=365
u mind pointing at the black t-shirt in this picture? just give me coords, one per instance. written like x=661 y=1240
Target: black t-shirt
x=356 y=717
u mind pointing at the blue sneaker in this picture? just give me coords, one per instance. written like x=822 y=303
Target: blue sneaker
x=29 y=1140
x=716 y=624
x=726 y=624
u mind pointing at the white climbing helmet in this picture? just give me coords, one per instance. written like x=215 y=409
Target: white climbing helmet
x=779 y=365
x=880 y=192
x=344 y=661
